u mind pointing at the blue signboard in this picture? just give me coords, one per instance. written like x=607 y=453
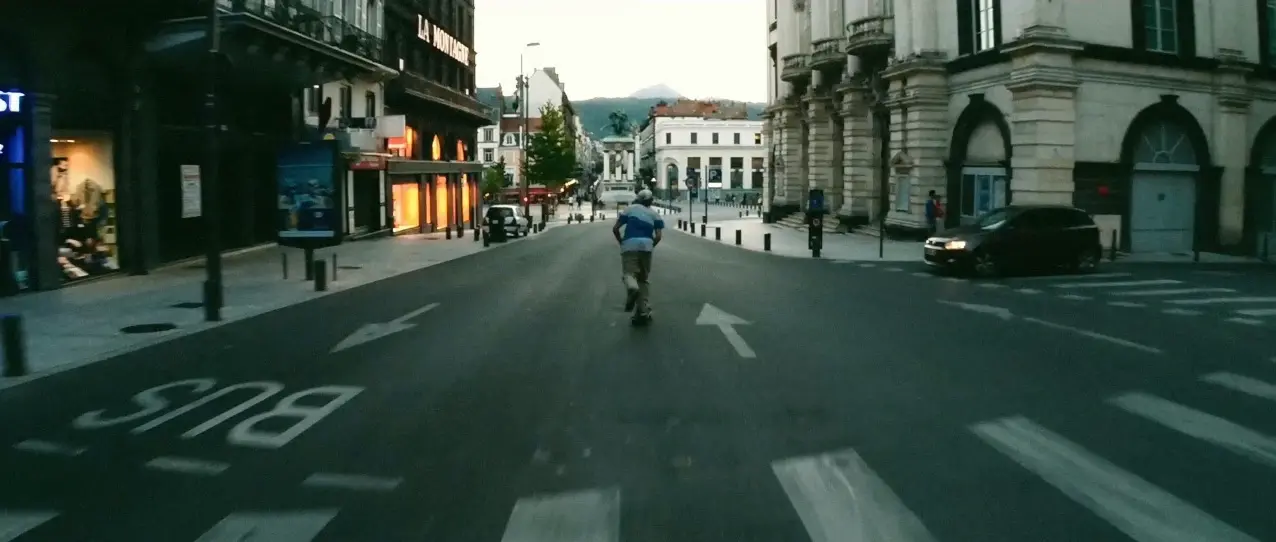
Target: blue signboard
x=309 y=200
x=815 y=200
x=11 y=101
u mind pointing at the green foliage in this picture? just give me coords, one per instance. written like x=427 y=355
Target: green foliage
x=551 y=152
x=493 y=178
x=595 y=113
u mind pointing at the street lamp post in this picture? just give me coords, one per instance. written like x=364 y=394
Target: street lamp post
x=522 y=95
x=209 y=185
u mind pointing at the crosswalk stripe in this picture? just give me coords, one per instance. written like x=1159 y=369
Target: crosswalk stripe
x=1182 y=312
x=1194 y=423
x=1118 y=284
x=1078 y=277
x=1075 y=297
x=1222 y=300
x=1243 y=384
x=579 y=516
x=1128 y=304
x=1176 y=291
x=1257 y=312
x=299 y=526
x=15 y=523
x=1246 y=321
x=1133 y=505
x=840 y=499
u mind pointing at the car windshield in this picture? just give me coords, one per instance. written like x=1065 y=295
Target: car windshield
x=500 y=212
x=993 y=219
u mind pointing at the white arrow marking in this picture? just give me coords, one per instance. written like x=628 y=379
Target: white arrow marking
x=302 y=526
x=377 y=330
x=14 y=523
x=713 y=316
x=999 y=312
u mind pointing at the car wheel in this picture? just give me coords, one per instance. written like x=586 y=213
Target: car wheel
x=985 y=265
x=1087 y=261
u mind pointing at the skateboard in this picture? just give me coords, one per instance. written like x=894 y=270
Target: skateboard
x=640 y=320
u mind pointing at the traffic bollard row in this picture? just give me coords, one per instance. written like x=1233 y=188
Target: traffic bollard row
x=448 y=231
x=702 y=227
x=717 y=233
x=321 y=276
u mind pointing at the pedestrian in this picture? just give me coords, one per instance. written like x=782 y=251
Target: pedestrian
x=642 y=232
x=934 y=212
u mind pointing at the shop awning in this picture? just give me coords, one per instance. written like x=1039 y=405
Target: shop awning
x=426 y=167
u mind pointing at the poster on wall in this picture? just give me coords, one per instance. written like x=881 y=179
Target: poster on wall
x=83 y=191
x=191 y=199
x=309 y=200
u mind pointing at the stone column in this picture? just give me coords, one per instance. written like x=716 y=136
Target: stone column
x=919 y=135
x=792 y=170
x=1231 y=146
x=606 y=165
x=819 y=155
x=858 y=155
x=1043 y=117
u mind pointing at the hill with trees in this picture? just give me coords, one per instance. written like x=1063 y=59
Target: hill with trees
x=595 y=113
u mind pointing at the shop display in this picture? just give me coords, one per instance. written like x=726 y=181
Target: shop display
x=83 y=188
x=407 y=206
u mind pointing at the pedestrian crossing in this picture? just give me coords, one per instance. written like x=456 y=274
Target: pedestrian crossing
x=838 y=496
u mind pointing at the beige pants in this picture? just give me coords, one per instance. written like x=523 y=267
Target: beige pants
x=635 y=269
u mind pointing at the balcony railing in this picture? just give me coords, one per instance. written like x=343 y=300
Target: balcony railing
x=302 y=17
x=795 y=67
x=870 y=36
x=418 y=84
x=827 y=53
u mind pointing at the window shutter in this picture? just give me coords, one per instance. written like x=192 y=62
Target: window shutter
x=1186 y=12
x=1138 y=26
x=966 y=27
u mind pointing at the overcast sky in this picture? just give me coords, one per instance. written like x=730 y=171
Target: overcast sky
x=610 y=48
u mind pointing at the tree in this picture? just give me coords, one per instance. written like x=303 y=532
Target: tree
x=551 y=152
x=618 y=121
x=493 y=179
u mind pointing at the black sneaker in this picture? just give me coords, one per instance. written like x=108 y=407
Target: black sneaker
x=631 y=299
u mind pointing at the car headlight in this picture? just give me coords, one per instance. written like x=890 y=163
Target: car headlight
x=955 y=245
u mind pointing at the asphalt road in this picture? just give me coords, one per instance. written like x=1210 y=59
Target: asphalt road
x=878 y=404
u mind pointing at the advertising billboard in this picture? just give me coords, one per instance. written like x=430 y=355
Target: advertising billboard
x=309 y=195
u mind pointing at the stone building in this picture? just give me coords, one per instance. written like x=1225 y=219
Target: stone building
x=1153 y=115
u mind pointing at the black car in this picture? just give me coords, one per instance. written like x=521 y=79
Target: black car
x=1019 y=237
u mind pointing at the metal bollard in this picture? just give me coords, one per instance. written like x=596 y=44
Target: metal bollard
x=283 y=263
x=702 y=227
x=591 y=217
x=746 y=212
x=321 y=276
x=569 y=219
x=704 y=219
x=448 y=231
x=487 y=242
x=717 y=233
x=477 y=232
x=738 y=237
x=14 y=345
x=766 y=242
x=334 y=267
x=309 y=263
x=741 y=213
x=1112 y=249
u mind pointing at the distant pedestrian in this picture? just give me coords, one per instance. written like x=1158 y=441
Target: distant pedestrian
x=934 y=212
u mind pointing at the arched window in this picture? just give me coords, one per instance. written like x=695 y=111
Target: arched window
x=1165 y=143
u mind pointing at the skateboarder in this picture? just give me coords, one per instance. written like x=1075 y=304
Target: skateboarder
x=642 y=232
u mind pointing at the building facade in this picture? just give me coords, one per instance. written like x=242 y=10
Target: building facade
x=728 y=153
x=543 y=88
x=1153 y=115
x=434 y=170
x=489 y=135
x=104 y=127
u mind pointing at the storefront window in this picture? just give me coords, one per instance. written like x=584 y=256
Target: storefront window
x=407 y=206
x=465 y=198
x=440 y=202
x=14 y=225
x=83 y=177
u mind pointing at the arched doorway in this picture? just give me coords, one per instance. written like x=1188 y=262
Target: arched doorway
x=979 y=163
x=1163 y=189
x=1260 y=191
x=670 y=184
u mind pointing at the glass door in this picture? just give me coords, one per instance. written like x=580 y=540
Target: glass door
x=982 y=190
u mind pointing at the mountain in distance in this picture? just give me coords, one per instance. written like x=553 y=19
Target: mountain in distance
x=656 y=91
x=594 y=112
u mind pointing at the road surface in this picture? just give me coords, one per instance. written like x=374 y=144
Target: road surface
x=504 y=397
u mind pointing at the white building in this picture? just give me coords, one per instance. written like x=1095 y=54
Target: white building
x=727 y=152
x=489 y=136
x=356 y=103
x=1157 y=120
x=543 y=88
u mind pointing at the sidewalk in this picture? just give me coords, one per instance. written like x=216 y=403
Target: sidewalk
x=792 y=243
x=83 y=323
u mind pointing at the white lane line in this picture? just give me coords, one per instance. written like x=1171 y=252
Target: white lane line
x=1095 y=335
x=991 y=285
x=953 y=279
x=1207 y=427
x=15 y=523
x=894 y=269
x=1118 y=284
x=357 y=482
x=1078 y=277
x=1222 y=300
x=1176 y=291
x=1246 y=321
x=1243 y=384
x=1075 y=297
x=1183 y=312
x=840 y=499
x=922 y=274
x=188 y=465
x=1129 y=304
x=579 y=516
x=1029 y=291
x=868 y=265
x=1257 y=312
x=46 y=447
x=1141 y=510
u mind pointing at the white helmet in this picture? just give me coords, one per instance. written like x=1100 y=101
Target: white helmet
x=645 y=195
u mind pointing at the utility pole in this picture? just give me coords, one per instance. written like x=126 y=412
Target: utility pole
x=209 y=193
x=527 y=101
